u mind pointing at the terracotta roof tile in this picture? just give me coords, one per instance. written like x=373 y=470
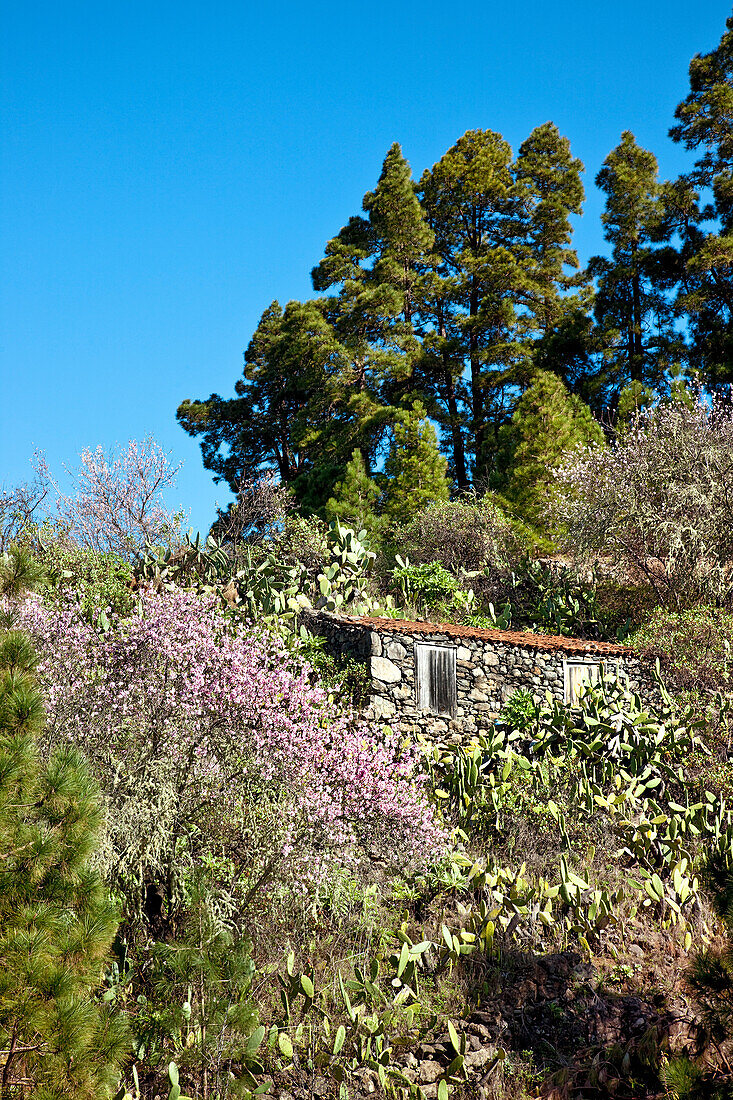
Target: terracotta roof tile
x=550 y=642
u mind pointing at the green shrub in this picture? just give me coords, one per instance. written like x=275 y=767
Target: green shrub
x=340 y=675
x=693 y=646
x=459 y=534
x=99 y=579
x=519 y=710
x=423 y=585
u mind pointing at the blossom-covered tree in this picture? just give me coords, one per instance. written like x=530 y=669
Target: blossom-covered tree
x=204 y=731
x=116 y=503
x=20 y=505
x=659 y=502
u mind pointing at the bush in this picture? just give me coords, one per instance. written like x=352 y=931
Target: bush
x=100 y=580
x=459 y=534
x=202 y=990
x=693 y=646
x=118 y=499
x=302 y=540
x=657 y=504
x=424 y=585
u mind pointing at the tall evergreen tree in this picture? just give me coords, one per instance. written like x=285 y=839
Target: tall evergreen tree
x=300 y=408
x=551 y=190
x=558 y=295
x=471 y=204
x=56 y=919
x=633 y=311
x=374 y=266
x=402 y=237
x=705 y=195
x=355 y=497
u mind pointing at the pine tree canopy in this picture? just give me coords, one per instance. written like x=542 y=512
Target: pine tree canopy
x=455 y=292
x=547 y=423
x=704 y=196
x=414 y=471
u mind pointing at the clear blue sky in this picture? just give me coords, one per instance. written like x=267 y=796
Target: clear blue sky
x=168 y=169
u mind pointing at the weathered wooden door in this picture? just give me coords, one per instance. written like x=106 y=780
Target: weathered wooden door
x=435 y=678
x=577 y=675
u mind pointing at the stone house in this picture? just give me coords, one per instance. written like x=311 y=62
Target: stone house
x=440 y=678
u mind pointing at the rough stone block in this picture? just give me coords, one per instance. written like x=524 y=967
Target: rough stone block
x=381 y=668
x=383 y=708
x=396 y=652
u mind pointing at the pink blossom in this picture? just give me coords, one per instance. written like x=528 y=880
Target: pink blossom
x=225 y=707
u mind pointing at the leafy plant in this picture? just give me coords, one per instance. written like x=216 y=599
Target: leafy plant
x=423 y=585
x=204 y=980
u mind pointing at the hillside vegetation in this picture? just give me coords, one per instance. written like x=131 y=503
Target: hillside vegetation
x=216 y=879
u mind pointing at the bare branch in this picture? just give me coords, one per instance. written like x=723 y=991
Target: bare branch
x=117 y=503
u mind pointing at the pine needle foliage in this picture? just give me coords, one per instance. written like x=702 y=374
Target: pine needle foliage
x=56 y=920
x=416 y=472
x=205 y=979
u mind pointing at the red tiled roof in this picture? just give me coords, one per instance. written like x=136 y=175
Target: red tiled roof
x=550 y=642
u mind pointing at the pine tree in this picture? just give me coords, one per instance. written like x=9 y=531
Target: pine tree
x=471 y=204
x=299 y=409
x=355 y=497
x=551 y=191
x=56 y=920
x=374 y=265
x=547 y=422
x=415 y=470
x=633 y=311
x=402 y=238
x=704 y=266
x=558 y=295
x=703 y=121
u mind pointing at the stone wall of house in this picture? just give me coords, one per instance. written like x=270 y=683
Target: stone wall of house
x=490 y=666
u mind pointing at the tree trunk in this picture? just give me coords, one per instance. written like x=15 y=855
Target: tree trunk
x=636 y=356
x=459 y=456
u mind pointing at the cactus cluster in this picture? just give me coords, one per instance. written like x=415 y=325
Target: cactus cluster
x=567 y=766
x=379 y=1000
x=264 y=587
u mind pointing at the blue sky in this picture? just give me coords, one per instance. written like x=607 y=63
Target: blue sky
x=167 y=170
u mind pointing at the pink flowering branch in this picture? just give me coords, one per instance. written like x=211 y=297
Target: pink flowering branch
x=218 y=714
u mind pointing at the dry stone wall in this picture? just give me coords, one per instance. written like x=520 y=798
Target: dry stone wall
x=490 y=665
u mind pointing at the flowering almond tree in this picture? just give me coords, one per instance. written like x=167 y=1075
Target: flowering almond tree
x=659 y=502
x=117 y=500
x=205 y=734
